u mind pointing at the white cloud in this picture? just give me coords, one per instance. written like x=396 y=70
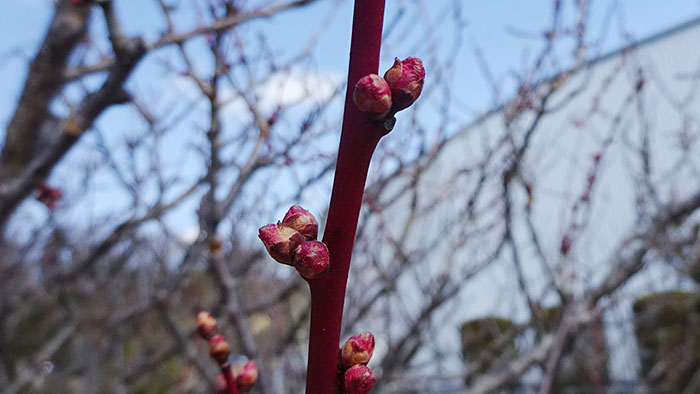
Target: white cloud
x=283 y=89
x=190 y=235
x=295 y=87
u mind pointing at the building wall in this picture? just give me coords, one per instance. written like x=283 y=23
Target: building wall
x=596 y=111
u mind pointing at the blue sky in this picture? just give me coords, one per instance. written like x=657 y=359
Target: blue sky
x=506 y=32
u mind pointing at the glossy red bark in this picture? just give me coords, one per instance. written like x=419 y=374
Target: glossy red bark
x=230 y=379
x=359 y=138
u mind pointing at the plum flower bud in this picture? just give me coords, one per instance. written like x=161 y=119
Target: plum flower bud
x=219 y=349
x=248 y=376
x=359 y=380
x=220 y=384
x=215 y=245
x=406 y=79
x=280 y=241
x=206 y=324
x=301 y=220
x=372 y=95
x=49 y=196
x=357 y=350
x=311 y=259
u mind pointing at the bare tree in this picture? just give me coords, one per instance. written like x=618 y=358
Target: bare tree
x=536 y=226
x=560 y=226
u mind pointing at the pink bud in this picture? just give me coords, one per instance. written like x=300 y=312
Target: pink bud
x=219 y=348
x=372 y=95
x=311 y=259
x=357 y=350
x=359 y=380
x=301 y=220
x=206 y=324
x=406 y=79
x=220 y=384
x=280 y=241
x=248 y=376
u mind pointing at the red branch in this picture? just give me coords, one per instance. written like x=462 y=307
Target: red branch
x=230 y=380
x=358 y=139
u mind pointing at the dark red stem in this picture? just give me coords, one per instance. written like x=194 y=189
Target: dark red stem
x=230 y=380
x=358 y=139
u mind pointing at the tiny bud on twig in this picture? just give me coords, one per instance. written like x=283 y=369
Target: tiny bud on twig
x=215 y=245
x=359 y=379
x=49 y=196
x=565 y=244
x=372 y=95
x=248 y=376
x=405 y=79
x=280 y=241
x=311 y=259
x=357 y=349
x=301 y=220
x=206 y=324
x=220 y=384
x=219 y=349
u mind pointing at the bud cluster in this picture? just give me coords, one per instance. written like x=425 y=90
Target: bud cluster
x=219 y=350
x=355 y=376
x=206 y=325
x=247 y=376
x=293 y=242
x=381 y=97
